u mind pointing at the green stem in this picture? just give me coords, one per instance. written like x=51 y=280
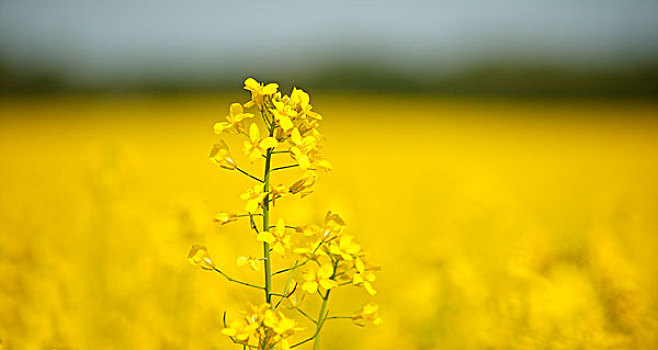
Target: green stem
x=251 y=176
x=322 y=317
x=319 y=323
x=231 y=279
x=266 y=225
x=286 y=167
x=306 y=315
x=302 y=264
x=285 y=290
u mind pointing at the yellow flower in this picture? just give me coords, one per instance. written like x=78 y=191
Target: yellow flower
x=234 y=119
x=308 y=230
x=242 y=331
x=319 y=278
x=311 y=251
x=253 y=263
x=279 y=239
x=284 y=345
x=220 y=155
x=323 y=164
x=282 y=115
x=258 y=91
x=225 y=218
x=370 y=312
x=280 y=324
x=277 y=192
x=359 y=265
x=254 y=198
x=345 y=248
x=309 y=128
x=256 y=314
x=303 y=184
x=302 y=148
x=365 y=279
x=333 y=224
x=256 y=147
x=300 y=100
x=282 y=327
x=294 y=300
x=198 y=256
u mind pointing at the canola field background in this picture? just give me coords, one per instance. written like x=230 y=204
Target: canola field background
x=506 y=224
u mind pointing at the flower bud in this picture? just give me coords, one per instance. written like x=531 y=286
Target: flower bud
x=221 y=156
x=225 y=218
x=304 y=183
x=198 y=256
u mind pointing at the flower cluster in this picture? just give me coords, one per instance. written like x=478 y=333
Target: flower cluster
x=325 y=257
x=263 y=326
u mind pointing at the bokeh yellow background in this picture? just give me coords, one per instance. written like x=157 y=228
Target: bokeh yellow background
x=493 y=230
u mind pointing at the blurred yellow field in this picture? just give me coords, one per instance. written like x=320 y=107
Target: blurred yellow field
x=498 y=224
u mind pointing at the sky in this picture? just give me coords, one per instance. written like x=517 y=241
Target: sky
x=120 y=39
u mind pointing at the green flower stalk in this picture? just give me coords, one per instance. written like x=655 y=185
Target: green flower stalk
x=329 y=258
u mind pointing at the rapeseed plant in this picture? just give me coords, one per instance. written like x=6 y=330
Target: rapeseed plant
x=325 y=258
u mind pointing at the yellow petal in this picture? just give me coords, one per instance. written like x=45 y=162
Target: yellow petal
x=369 y=276
x=353 y=249
x=265 y=236
x=278 y=248
x=304 y=162
x=325 y=271
x=370 y=308
x=296 y=137
x=286 y=123
x=324 y=165
x=333 y=249
x=328 y=284
x=359 y=265
x=254 y=155
x=242 y=116
x=222 y=127
x=248 y=147
x=369 y=288
x=225 y=218
x=268 y=142
x=270 y=88
x=242 y=336
x=278 y=105
x=251 y=84
x=309 y=141
x=255 y=264
x=280 y=227
x=198 y=255
x=254 y=134
x=216 y=148
x=285 y=324
x=345 y=242
x=230 y=332
x=251 y=206
x=236 y=109
x=310 y=287
x=243 y=261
